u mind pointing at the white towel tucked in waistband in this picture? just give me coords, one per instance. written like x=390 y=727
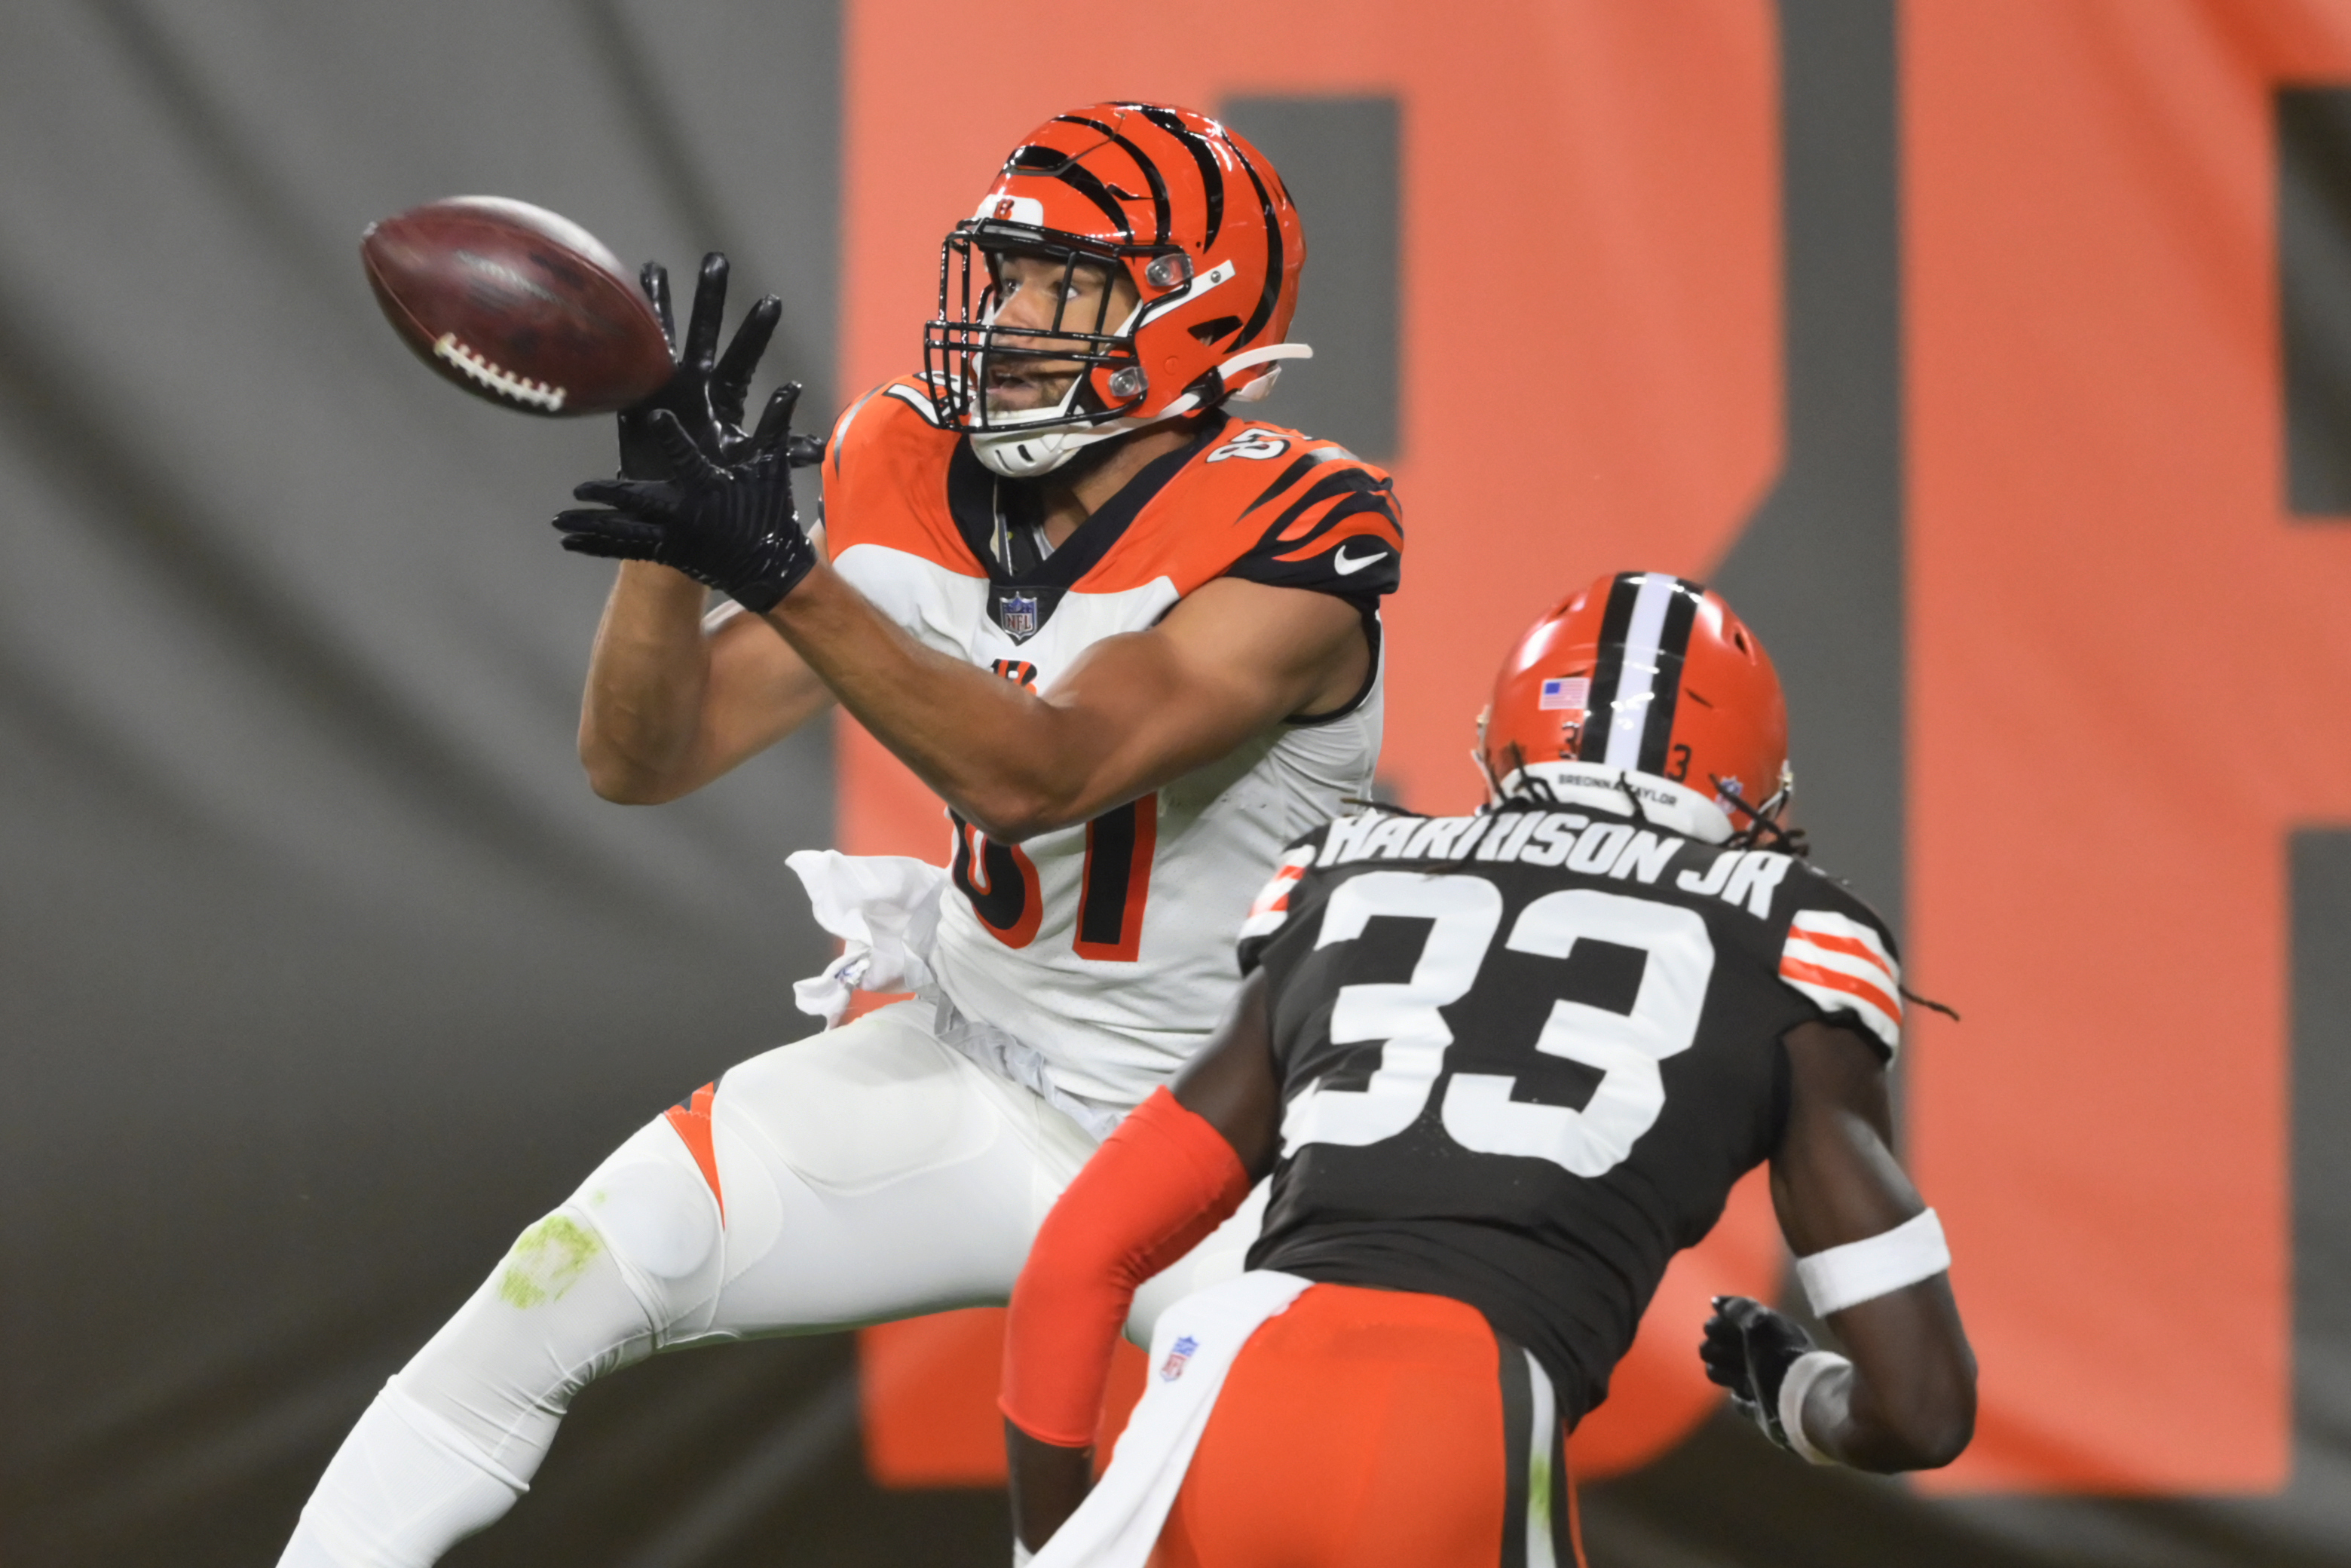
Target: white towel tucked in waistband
x=1191 y=1351
x=885 y=909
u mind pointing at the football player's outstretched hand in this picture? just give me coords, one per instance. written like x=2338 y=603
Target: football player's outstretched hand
x=706 y=392
x=728 y=526
x=1749 y=1349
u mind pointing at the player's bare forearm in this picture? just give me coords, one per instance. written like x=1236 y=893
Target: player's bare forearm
x=669 y=708
x=1134 y=712
x=646 y=677
x=1233 y=1083
x=1908 y=1401
x=1048 y=1482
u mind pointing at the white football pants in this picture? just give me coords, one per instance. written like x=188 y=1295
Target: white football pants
x=866 y=1174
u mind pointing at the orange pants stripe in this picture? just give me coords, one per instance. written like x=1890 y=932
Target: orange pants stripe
x=1367 y=1428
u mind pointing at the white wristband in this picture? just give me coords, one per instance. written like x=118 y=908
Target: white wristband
x=1808 y=1370
x=1858 y=1271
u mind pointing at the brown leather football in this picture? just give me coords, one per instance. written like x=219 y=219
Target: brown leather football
x=515 y=304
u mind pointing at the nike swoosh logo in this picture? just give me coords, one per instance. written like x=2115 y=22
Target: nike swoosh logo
x=1345 y=566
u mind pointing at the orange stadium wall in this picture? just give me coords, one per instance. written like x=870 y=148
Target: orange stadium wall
x=2090 y=567
x=2099 y=529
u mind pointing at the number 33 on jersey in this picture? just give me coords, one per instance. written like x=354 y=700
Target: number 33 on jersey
x=1544 y=986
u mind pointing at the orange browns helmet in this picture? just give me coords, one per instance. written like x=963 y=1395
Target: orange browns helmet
x=1643 y=686
x=1193 y=215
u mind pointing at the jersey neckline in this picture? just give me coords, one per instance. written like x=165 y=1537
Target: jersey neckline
x=973 y=488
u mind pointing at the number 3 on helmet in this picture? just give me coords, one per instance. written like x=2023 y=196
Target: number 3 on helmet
x=1643 y=686
x=1197 y=220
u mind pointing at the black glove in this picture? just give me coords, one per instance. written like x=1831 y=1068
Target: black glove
x=1749 y=1349
x=728 y=526
x=706 y=392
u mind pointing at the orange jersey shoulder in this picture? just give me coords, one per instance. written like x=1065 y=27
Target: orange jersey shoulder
x=886 y=478
x=1267 y=505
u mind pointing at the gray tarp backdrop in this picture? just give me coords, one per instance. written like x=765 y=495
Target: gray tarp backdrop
x=321 y=972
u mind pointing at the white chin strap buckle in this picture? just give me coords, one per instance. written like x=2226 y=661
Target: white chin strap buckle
x=1025 y=454
x=1263 y=384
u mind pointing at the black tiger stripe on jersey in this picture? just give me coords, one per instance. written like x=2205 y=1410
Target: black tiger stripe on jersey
x=1331 y=487
x=1211 y=176
x=1313 y=541
x=1159 y=210
x=1294 y=550
x=1299 y=468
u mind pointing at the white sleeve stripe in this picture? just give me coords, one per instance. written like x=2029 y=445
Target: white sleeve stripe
x=1264 y=925
x=1887 y=1029
x=1272 y=906
x=1826 y=922
x=1806 y=952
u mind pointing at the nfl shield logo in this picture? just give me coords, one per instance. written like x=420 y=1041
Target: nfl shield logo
x=1019 y=617
x=1178 y=1354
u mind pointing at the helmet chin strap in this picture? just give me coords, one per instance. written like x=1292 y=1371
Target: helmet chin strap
x=1025 y=454
x=1022 y=452
x=1628 y=792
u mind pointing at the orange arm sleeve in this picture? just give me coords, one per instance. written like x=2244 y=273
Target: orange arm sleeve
x=1154 y=1189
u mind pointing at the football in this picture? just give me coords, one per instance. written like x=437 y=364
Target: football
x=515 y=304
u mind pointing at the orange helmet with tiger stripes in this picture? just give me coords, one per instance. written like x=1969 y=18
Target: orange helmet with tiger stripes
x=1644 y=688
x=1192 y=214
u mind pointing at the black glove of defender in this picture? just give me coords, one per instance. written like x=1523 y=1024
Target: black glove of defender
x=1749 y=1349
x=728 y=526
x=706 y=392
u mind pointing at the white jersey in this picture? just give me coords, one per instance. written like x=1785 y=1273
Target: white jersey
x=1106 y=949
